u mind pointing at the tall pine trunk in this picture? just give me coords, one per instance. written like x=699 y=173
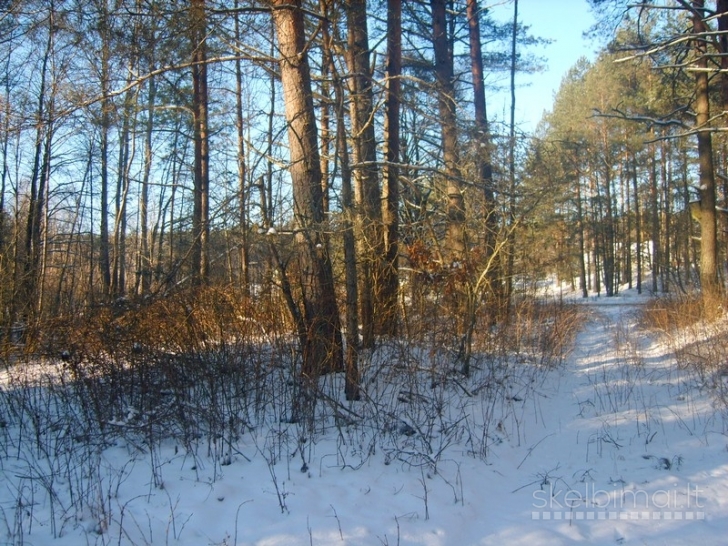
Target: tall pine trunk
x=319 y=328
x=200 y=214
x=365 y=170
x=448 y=126
x=483 y=157
x=242 y=171
x=390 y=190
x=708 y=222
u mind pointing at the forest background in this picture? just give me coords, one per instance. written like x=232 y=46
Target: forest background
x=172 y=174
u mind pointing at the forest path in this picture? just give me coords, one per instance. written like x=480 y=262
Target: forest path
x=623 y=445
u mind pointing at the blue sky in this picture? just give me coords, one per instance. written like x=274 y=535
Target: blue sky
x=563 y=22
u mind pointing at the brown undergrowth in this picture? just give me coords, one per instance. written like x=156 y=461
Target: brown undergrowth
x=698 y=340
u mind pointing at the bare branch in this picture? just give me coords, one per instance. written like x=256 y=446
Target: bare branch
x=660 y=122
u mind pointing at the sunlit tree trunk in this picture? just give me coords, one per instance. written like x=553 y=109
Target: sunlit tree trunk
x=320 y=332
x=483 y=145
x=708 y=227
x=144 y=261
x=366 y=176
x=27 y=303
x=638 y=222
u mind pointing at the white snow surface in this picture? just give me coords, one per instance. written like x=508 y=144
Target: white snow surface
x=617 y=446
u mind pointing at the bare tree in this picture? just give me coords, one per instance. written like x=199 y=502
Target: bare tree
x=144 y=258
x=31 y=281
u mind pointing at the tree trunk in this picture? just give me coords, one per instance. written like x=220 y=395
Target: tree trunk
x=483 y=145
x=390 y=189
x=200 y=215
x=721 y=10
x=512 y=162
x=448 y=125
x=8 y=286
x=36 y=199
x=608 y=228
x=351 y=357
x=144 y=265
x=365 y=171
x=123 y=183
x=708 y=227
x=327 y=48
x=242 y=171
x=104 y=246
x=638 y=223
x=665 y=227
x=350 y=257
x=583 y=283
x=321 y=334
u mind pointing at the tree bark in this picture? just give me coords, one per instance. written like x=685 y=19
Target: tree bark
x=483 y=154
x=512 y=163
x=242 y=171
x=36 y=204
x=350 y=258
x=721 y=10
x=708 y=227
x=390 y=189
x=321 y=336
x=638 y=223
x=365 y=170
x=144 y=261
x=448 y=124
x=583 y=283
x=327 y=55
x=200 y=214
x=104 y=246
x=351 y=356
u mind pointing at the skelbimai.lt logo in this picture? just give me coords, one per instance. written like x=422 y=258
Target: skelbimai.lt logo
x=590 y=502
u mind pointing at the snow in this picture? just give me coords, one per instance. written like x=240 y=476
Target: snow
x=617 y=446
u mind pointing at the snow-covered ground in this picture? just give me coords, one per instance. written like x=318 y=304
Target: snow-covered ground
x=618 y=446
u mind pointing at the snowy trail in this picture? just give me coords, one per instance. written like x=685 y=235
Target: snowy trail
x=629 y=450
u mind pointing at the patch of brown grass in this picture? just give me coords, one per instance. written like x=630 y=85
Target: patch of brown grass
x=186 y=321
x=697 y=334
x=670 y=313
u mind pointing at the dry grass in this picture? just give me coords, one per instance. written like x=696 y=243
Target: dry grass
x=545 y=328
x=670 y=313
x=697 y=339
